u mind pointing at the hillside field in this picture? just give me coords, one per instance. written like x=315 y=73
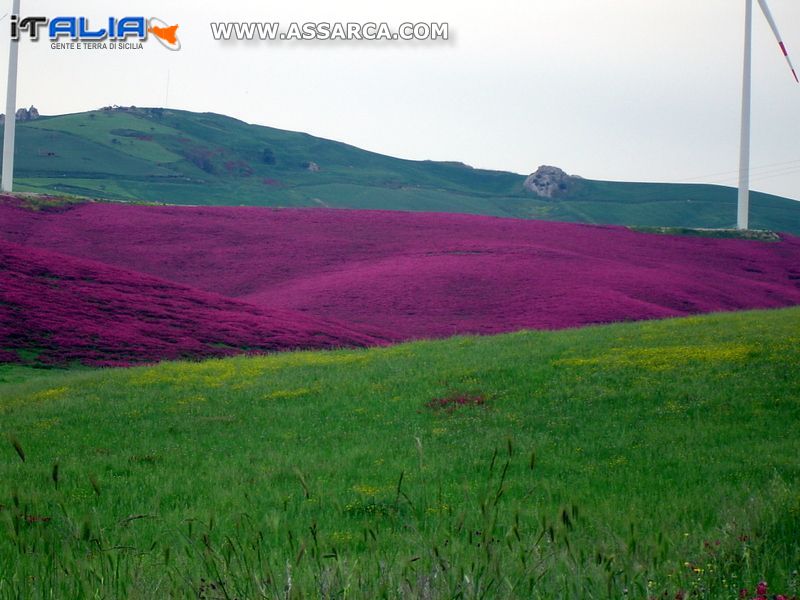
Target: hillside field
x=639 y=460
x=56 y=309
x=180 y=157
x=118 y=284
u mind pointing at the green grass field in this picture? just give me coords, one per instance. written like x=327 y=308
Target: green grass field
x=180 y=157
x=625 y=461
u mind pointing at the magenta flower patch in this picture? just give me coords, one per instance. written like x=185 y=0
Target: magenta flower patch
x=274 y=276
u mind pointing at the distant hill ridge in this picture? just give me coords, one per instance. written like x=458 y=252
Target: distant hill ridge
x=180 y=157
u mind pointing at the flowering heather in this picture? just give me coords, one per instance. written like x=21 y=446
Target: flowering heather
x=62 y=309
x=418 y=275
x=761 y=593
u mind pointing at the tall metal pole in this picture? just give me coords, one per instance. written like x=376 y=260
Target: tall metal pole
x=743 y=207
x=7 y=182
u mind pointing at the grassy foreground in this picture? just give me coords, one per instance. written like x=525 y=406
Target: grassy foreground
x=636 y=460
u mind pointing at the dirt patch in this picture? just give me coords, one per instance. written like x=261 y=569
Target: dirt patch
x=451 y=402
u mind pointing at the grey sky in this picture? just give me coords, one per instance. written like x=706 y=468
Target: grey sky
x=638 y=90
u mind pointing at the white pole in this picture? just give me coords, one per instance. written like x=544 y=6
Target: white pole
x=7 y=182
x=743 y=208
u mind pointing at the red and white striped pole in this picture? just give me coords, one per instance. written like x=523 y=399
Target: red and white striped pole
x=768 y=14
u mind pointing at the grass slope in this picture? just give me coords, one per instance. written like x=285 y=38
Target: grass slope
x=635 y=460
x=182 y=157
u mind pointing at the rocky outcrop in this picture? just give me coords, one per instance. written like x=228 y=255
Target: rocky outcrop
x=311 y=166
x=549 y=182
x=24 y=114
x=27 y=114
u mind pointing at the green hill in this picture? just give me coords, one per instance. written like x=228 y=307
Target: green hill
x=635 y=460
x=189 y=158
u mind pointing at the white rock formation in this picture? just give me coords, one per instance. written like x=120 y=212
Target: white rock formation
x=549 y=182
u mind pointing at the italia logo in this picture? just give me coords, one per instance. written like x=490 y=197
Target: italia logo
x=115 y=29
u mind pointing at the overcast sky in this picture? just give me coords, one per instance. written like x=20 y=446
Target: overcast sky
x=636 y=90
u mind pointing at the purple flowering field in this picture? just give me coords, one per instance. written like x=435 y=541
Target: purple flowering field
x=124 y=283
x=63 y=309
